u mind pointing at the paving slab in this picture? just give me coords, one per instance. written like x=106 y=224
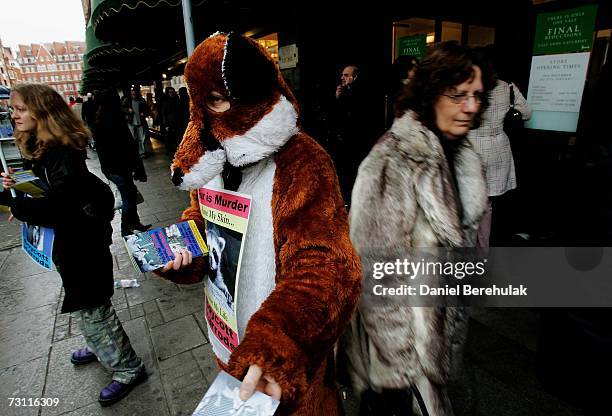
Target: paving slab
x=79 y=386
x=75 y=386
x=3 y=256
x=24 y=380
x=184 y=383
x=206 y=361
x=181 y=304
x=26 y=336
x=174 y=337
x=10 y=232
x=149 y=290
x=18 y=264
x=21 y=294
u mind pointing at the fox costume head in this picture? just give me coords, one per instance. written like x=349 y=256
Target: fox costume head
x=262 y=112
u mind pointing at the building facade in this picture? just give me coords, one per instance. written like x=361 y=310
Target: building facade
x=5 y=58
x=57 y=64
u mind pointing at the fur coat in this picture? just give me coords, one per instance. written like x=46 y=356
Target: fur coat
x=404 y=198
x=300 y=276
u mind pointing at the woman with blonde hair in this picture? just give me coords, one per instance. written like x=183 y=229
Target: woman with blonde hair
x=78 y=206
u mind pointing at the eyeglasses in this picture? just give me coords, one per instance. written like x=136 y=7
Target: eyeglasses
x=462 y=97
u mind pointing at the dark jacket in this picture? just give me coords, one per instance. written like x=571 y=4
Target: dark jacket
x=115 y=145
x=354 y=133
x=79 y=207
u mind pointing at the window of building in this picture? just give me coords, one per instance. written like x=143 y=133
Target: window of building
x=451 y=31
x=480 y=35
x=270 y=44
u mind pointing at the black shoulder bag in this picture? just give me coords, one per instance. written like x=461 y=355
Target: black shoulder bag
x=513 y=121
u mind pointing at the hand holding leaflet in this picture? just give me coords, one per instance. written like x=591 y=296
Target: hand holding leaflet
x=223 y=399
x=182 y=259
x=256 y=380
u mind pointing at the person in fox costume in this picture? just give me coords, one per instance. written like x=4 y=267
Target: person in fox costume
x=300 y=277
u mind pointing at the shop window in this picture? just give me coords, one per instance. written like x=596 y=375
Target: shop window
x=451 y=31
x=480 y=35
x=409 y=34
x=270 y=43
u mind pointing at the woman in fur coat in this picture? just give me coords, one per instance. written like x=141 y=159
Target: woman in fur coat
x=300 y=277
x=421 y=186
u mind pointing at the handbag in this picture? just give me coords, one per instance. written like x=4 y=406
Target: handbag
x=513 y=121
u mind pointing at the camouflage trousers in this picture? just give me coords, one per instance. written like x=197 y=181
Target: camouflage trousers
x=106 y=338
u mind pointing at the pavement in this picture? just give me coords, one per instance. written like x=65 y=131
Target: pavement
x=165 y=324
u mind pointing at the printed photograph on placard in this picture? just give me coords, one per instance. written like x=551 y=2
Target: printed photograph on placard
x=224 y=254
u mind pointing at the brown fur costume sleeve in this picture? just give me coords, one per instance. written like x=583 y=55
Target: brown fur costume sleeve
x=318 y=279
x=187 y=155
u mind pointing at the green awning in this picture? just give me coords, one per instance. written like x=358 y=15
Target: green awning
x=138 y=22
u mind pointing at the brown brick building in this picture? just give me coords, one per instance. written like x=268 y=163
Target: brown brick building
x=5 y=59
x=57 y=64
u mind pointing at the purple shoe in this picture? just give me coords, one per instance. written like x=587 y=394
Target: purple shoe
x=116 y=390
x=83 y=356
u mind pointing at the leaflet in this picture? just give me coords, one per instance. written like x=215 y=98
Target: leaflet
x=222 y=399
x=37 y=242
x=152 y=249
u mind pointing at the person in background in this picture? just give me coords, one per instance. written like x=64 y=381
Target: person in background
x=71 y=102
x=77 y=205
x=77 y=108
x=352 y=131
x=118 y=154
x=402 y=71
x=422 y=186
x=135 y=109
x=493 y=145
x=151 y=107
x=171 y=120
x=89 y=116
x=183 y=111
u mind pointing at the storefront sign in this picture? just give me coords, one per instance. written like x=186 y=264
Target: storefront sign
x=556 y=84
x=558 y=69
x=288 y=56
x=565 y=31
x=412 y=45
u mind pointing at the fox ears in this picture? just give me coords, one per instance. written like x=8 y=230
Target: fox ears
x=247 y=70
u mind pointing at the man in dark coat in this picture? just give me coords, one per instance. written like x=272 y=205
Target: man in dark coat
x=352 y=131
